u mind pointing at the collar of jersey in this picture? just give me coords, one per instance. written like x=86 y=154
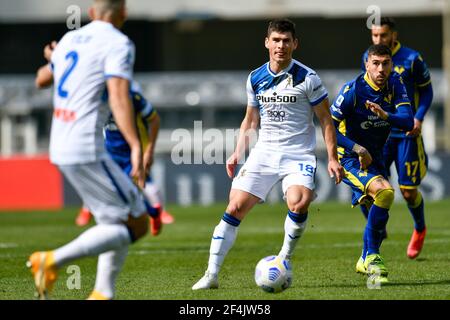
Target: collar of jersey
x=371 y=83
x=102 y=23
x=396 y=48
x=282 y=71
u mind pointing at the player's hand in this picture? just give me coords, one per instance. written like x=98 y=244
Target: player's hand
x=376 y=109
x=231 y=165
x=335 y=171
x=365 y=159
x=416 y=130
x=48 y=50
x=137 y=169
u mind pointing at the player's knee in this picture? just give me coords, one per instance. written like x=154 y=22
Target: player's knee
x=300 y=206
x=138 y=227
x=384 y=198
x=409 y=195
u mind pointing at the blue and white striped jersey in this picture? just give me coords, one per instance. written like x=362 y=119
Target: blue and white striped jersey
x=286 y=101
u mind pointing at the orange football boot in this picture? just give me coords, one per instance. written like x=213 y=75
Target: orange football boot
x=84 y=217
x=416 y=243
x=44 y=270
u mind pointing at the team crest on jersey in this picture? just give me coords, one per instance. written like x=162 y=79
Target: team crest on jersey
x=362 y=173
x=399 y=69
x=388 y=98
x=289 y=80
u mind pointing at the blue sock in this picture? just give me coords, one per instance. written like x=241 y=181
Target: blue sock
x=376 y=224
x=364 y=210
x=417 y=213
x=228 y=218
x=298 y=217
x=152 y=212
x=366 y=244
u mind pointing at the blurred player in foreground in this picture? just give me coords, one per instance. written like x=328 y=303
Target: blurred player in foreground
x=364 y=112
x=406 y=148
x=147 y=120
x=283 y=95
x=85 y=62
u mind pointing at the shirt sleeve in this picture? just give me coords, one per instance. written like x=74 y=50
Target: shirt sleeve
x=251 y=96
x=400 y=94
x=342 y=103
x=421 y=73
x=120 y=61
x=140 y=104
x=315 y=90
x=363 y=61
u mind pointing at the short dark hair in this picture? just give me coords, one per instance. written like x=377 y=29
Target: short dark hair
x=281 y=25
x=387 y=21
x=379 y=50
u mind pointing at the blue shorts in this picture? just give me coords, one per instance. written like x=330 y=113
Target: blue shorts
x=410 y=158
x=359 y=179
x=124 y=162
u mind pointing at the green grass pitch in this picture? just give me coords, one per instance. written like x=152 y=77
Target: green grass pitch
x=166 y=266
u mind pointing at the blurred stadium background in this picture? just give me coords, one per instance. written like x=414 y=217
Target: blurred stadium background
x=193 y=58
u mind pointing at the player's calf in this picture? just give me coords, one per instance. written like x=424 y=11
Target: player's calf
x=138 y=226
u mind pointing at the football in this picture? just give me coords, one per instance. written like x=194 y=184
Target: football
x=273 y=274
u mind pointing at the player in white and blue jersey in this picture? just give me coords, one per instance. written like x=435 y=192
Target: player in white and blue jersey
x=147 y=120
x=83 y=64
x=405 y=148
x=283 y=96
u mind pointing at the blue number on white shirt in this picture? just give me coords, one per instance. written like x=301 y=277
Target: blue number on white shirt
x=308 y=168
x=74 y=56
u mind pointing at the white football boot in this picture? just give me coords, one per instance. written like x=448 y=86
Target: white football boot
x=208 y=281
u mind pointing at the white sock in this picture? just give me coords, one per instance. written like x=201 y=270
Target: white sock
x=98 y=239
x=223 y=239
x=108 y=267
x=152 y=193
x=292 y=233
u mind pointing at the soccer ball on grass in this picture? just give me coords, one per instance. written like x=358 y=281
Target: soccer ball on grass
x=273 y=274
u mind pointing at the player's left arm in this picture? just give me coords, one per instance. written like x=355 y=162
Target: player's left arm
x=403 y=117
x=322 y=111
x=424 y=88
x=318 y=99
x=153 y=122
x=44 y=76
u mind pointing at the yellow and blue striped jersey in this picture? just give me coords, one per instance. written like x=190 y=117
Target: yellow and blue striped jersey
x=115 y=142
x=362 y=126
x=410 y=65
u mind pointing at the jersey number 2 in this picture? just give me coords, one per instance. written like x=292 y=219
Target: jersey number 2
x=73 y=55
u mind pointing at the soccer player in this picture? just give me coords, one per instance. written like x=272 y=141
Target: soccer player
x=148 y=121
x=283 y=96
x=406 y=148
x=364 y=112
x=85 y=63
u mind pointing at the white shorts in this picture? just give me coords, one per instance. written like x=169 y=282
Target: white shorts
x=106 y=190
x=263 y=169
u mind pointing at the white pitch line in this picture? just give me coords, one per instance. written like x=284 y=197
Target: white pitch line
x=4 y=245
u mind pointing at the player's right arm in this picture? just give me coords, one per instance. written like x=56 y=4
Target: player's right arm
x=248 y=126
x=122 y=109
x=119 y=64
x=340 y=108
